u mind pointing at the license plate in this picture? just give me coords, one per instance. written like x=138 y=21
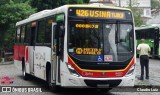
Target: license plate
x=103 y=85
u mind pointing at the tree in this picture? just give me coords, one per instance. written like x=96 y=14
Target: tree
x=155 y=4
x=11 y=13
x=86 y=1
x=136 y=13
x=2 y=2
x=50 y=4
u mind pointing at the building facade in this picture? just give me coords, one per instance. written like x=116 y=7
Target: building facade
x=155 y=17
x=143 y=5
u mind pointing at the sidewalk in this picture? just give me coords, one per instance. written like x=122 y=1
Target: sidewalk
x=154 y=74
x=5 y=63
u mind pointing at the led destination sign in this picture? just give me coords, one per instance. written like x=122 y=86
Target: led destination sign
x=99 y=13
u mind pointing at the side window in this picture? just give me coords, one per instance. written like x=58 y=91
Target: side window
x=22 y=34
x=48 y=32
x=27 y=33
x=18 y=35
x=41 y=32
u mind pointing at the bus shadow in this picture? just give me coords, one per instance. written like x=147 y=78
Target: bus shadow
x=81 y=91
x=36 y=82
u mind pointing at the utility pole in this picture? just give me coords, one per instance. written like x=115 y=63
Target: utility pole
x=130 y=3
x=119 y=3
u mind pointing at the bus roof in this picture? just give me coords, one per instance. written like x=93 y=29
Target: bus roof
x=50 y=12
x=145 y=27
x=97 y=6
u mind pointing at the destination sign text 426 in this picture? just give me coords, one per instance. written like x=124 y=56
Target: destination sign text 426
x=100 y=14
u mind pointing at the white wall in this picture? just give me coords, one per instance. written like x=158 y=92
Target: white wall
x=140 y=3
x=144 y=5
x=155 y=18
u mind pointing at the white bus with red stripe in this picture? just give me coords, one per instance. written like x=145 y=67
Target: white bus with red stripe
x=78 y=46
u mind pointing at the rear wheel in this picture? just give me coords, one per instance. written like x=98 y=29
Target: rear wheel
x=25 y=75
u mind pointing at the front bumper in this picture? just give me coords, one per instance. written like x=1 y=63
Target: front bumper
x=68 y=80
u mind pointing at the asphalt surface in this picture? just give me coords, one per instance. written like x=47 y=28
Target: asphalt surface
x=11 y=71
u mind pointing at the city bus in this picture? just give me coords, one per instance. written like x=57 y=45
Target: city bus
x=78 y=46
x=152 y=36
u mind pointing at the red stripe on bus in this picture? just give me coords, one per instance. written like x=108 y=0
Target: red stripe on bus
x=19 y=52
x=100 y=73
x=26 y=55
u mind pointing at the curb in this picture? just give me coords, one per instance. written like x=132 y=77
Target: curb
x=6 y=63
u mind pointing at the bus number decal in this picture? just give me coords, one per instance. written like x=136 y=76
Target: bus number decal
x=82 y=12
x=87 y=26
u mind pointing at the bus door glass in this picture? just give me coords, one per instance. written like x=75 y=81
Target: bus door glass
x=60 y=45
x=33 y=34
x=32 y=46
x=57 y=46
x=54 y=47
x=156 y=41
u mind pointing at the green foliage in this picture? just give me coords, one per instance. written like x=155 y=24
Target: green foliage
x=136 y=14
x=155 y=4
x=11 y=13
x=2 y=2
x=43 y=4
x=50 y=4
x=20 y=1
x=86 y=1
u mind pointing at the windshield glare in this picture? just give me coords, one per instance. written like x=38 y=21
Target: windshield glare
x=100 y=41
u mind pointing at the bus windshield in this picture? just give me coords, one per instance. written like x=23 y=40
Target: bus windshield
x=100 y=41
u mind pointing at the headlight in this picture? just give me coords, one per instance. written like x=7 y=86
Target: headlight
x=130 y=71
x=72 y=70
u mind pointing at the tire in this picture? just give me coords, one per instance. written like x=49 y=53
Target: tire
x=25 y=75
x=52 y=86
x=137 y=55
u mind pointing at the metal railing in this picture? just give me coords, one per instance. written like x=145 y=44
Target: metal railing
x=6 y=56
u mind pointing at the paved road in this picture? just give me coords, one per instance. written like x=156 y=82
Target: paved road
x=11 y=71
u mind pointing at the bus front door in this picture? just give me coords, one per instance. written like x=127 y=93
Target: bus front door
x=54 y=56
x=32 y=49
